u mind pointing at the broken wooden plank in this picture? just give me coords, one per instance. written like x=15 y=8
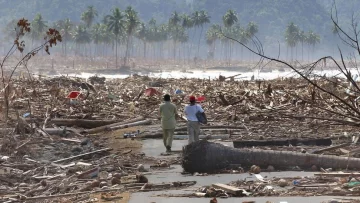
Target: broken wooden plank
x=260 y=178
x=323 y=170
x=71 y=140
x=331 y=148
x=81 y=155
x=228 y=189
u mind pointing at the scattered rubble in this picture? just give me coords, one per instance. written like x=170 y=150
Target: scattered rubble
x=53 y=146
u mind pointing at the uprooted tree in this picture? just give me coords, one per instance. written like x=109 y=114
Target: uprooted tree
x=51 y=38
x=207 y=157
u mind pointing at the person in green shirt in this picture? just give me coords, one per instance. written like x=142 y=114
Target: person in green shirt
x=168 y=115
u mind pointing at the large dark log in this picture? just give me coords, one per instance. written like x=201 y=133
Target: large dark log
x=282 y=142
x=207 y=157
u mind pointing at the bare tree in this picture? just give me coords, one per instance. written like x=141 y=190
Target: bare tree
x=332 y=95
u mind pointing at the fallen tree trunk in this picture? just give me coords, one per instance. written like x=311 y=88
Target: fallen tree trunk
x=207 y=137
x=107 y=127
x=144 y=122
x=159 y=134
x=83 y=123
x=282 y=142
x=51 y=131
x=203 y=127
x=207 y=157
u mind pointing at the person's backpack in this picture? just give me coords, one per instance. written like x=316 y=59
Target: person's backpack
x=201 y=117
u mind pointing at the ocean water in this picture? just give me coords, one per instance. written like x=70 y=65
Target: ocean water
x=215 y=74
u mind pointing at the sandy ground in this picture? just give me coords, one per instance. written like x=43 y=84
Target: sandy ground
x=125 y=198
x=116 y=141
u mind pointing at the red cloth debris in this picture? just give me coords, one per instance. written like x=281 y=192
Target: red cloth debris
x=73 y=95
x=151 y=92
x=201 y=99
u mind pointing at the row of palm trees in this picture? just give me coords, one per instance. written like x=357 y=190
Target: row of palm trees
x=182 y=32
x=230 y=29
x=294 y=37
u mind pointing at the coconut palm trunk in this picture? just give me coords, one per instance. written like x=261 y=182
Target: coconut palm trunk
x=65 y=51
x=116 y=51
x=205 y=157
x=127 y=50
x=201 y=31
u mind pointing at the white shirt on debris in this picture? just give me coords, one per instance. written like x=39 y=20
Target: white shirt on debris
x=191 y=110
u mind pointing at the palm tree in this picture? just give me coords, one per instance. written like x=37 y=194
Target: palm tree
x=38 y=26
x=244 y=37
x=65 y=27
x=204 y=18
x=89 y=16
x=142 y=34
x=251 y=30
x=211 y=37
x=302 y=39
x=152 y=33
x=81 y=36
x=116 y=25
x=106 y=37
x=187 y=23
x=183 y=37
x=313 y=39
x=162 y=35
x=229 y=19
x=292 y=36
x=132 y=21
x=96 y=36
x=174 y=28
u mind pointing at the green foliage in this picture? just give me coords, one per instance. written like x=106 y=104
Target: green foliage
x=116 y=22
x=154 y=22
x=65 y=27
x=81 y=35
x=271 y=16
x=230 y=18
x=38 y=26
x=292 y=34
x=89 y=16
x=132 y=20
